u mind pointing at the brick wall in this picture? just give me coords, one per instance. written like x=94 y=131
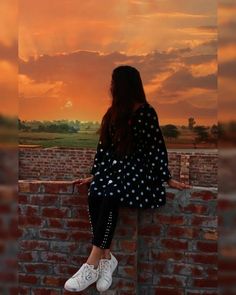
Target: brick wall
x=169 y=250
x=197 y=168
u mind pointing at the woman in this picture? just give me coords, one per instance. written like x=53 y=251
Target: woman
x=129 y=170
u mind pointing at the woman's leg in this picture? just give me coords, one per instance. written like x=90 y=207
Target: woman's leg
x=94 y=205
x=103 y=217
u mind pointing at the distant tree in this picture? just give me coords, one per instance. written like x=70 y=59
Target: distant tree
x=191 y=123
x=170 y=131
x=19 y=124
x=214 y=131
x=22 y=126
x=201 y=132
x=56 y=128
x=221 y=130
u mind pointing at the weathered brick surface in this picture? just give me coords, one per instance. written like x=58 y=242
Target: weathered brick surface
x=177 y=247
x=198 y=168
x=169 y=250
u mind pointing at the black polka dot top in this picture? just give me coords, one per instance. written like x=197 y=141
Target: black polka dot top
x=138 y=179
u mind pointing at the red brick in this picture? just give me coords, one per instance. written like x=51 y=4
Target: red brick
x=22 y=199
x=72 y=200
x=174 y=244
x=208 y=221
x=210 y=234
x=57 y=187
x=33 y=245
x=21 y=290
x=25 y=256
x=207 y=246
x=36 y=267
x=197 y=292
x=145 y=277
x=44 y=291
x=145 y=266
x=202 y=258
x=28 y=279
x=182 y=232
x=79 y=224
x=56 y=223
x=190 y=269
x=168 y=291
x=149 y=229
x=77 y=235
x=195 y=208
x=54 y=212
x=204 y=195
x=129 y=220
x=43 y=200
x=31 y=210
x=165 y=255
x=128 y=245
x=53 y=234
x=30 y=221
x=169 y=219
x=171 y=281
x=205 y=282
x=54 y=257
x=53 y=281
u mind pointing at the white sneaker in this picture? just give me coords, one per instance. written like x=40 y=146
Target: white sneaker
x=106 y=268
x=84 y=277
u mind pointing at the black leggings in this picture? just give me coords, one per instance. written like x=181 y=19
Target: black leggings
x=103 y=214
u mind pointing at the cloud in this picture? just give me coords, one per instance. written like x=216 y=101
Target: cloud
x=9 y=53
x=199 y=59
x=183 y=80
x=126 y=26
x=228 y=69
x=68 y=49
x=84 y=76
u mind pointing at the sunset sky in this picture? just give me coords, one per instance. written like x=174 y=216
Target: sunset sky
x=68 y=48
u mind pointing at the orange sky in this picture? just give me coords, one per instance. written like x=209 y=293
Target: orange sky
x=68 y=48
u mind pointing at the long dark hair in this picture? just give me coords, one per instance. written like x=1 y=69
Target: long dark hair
x=126 y=89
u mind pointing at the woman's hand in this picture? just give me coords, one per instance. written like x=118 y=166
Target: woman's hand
x=176 y=184
x=82 y=181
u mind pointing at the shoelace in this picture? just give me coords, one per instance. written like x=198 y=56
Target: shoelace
x=105 y=267
x=83 y=274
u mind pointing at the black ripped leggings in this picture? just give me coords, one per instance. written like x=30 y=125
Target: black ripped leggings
x=103 y=214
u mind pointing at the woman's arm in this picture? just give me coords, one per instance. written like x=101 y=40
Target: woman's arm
x=157 y=149
x=155 y=144
x=97 y=158
x=81 y=181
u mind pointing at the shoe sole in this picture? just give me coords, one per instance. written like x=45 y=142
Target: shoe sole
x=78 y=290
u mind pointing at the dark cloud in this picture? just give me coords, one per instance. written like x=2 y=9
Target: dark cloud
x=184 y=80
x=227 y=69
x=93 y=65
x=86 y=76
x=9 y=53
x=199 y=59
x=185 y=109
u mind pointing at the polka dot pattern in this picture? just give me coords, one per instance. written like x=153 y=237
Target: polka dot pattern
x=138 y=179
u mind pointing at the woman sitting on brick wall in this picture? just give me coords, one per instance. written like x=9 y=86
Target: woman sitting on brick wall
x=129 y=170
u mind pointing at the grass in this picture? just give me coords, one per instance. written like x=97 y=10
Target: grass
x=89 y=139
x=82 y=139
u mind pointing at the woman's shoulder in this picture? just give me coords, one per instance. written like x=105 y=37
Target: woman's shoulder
x=147 y=110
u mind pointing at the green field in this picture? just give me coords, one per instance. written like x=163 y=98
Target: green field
x=89 y=139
